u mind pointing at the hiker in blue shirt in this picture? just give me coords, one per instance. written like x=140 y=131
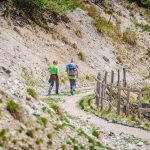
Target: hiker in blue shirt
x=72 y=71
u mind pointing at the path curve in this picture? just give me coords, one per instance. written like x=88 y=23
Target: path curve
x=70 y=106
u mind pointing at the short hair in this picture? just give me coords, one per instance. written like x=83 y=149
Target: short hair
x=55 y=62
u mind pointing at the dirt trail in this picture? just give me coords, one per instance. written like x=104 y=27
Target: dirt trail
x=70 y=106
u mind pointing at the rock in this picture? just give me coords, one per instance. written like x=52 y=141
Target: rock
x=111 y=134
x=140 y=144
x=106 y=59
x=6 y=70
x=131 y=147
x=1 y=148
x=28 y=98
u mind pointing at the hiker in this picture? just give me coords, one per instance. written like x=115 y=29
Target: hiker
x=72 y=71
x=54 y=70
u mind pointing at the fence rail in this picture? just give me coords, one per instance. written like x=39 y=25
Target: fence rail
x=105 y=91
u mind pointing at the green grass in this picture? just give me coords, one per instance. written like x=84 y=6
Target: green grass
x=30 y=133
x=81 y=56
x=2 y=133
x=29 y=81
x=131 y=120
x=15 y=110
x=78 y=33
x=32 y=93
x=129 y=37
x=108 y=29
x=39 y=141
x=43 y=121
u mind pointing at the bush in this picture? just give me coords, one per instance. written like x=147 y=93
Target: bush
x=43 y=121
x=32 y=5
x=145 y=3
x=15 y=110
x=81 y=56
x=30 y=133
x=129 y=37
x=107 y=29
x=78 y=33
x=32 y=92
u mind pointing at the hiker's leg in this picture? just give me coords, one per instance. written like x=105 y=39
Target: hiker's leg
x=71 y=86
x=57 y=85
x=74 y=84
x=51 y=85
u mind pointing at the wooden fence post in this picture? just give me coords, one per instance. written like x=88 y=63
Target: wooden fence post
x=118 y=82
x=105 y=82
x=124 y=78
x=119 y=100
x=111 y=88
x=102 y=94
x=139 y=103
x=98 y=90
x=128 y=102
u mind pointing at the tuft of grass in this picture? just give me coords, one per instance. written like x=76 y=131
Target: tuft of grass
x=108 y=29
x=81 y=56
x=50 y=142
x=95 y=133
x=15 y=110
x=129 y=37
x=78 y=33
x=43 y=121
x=32 y=92
x=65 y=40
x=50 y=135
x=30 y=133
x=2 y=133
x=29 y=81
x=16 y=30
x=90 y=8
x=74 y=45
x=39 y=141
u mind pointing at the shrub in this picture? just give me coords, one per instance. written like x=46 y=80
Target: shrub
x=81 y=56
x=65 y=40
x=32 y=92
x=78 y=33
x=145 y=3
x=30 y=133
x=129 y=37
x=108 y=29
x=43 y=121
x=74 y=45
x=15 y=110
x=39 y=141
x=2 y=133
x=16 y=30
x=95 y=133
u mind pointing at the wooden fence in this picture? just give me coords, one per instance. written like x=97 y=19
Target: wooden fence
x=105 y=92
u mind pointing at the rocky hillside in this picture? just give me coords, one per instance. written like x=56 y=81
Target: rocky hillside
x=101 y=36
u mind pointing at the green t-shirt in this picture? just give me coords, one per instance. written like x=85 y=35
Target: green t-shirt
x=53 y=69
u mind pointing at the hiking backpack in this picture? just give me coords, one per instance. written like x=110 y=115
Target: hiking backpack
x=71 y=70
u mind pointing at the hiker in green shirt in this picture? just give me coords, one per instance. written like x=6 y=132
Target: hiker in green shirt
x=54 y=78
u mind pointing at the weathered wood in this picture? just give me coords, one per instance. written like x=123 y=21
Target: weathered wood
x=105 y=86
x=102 y=95
x=128 y=102
x=118 y=82
x=139 y=104
x=98 y=88
x=124 y=78
x=122 y=88
x=118 y=101
x=146 y=110
x=112 y=77
x=145 y=92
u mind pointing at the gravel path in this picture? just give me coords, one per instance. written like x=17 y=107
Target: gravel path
x=70 y=106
